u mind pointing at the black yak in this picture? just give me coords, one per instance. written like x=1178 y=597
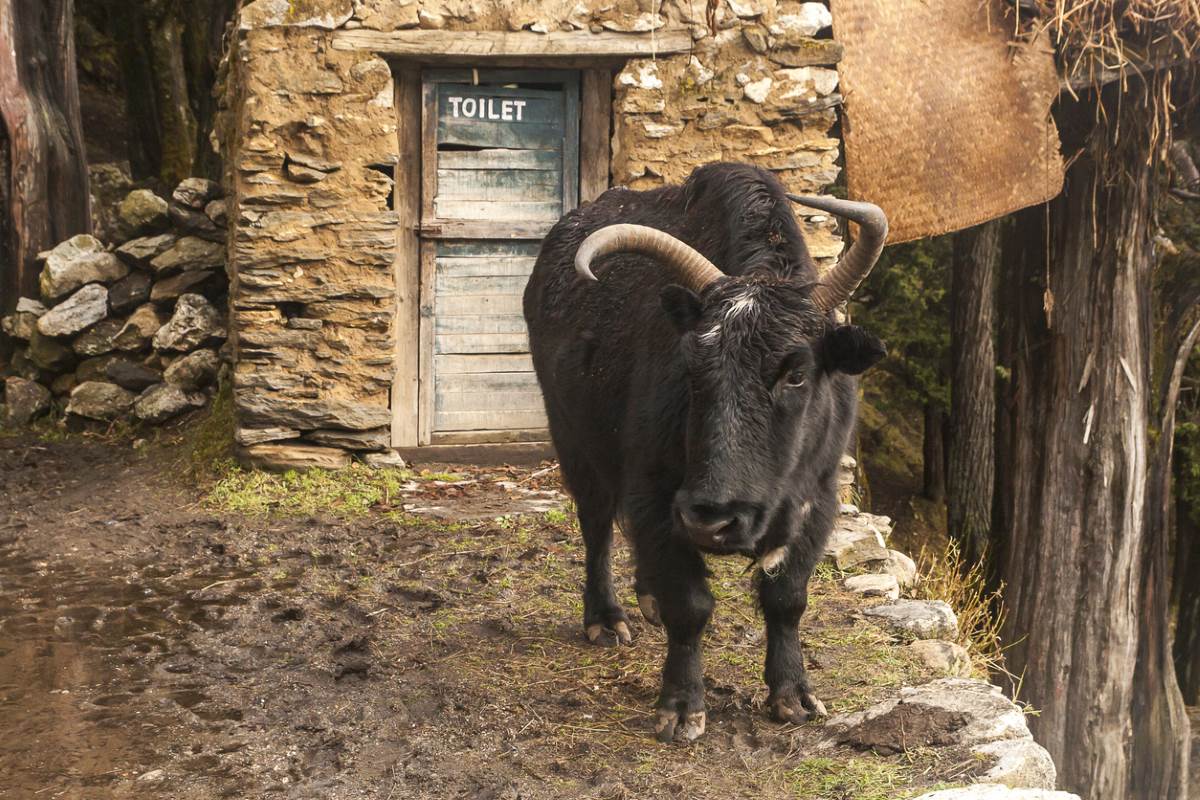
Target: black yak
x=701 y=393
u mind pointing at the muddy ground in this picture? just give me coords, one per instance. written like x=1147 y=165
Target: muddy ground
x=417 y=640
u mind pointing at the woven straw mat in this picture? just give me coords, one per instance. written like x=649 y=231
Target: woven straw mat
x=947 y=119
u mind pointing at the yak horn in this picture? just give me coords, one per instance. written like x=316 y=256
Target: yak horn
x=691 y=269
x=841 y=281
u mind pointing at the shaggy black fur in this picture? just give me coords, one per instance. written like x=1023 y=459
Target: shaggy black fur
x=703 y=423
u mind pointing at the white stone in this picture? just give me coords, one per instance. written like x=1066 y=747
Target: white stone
x=194 y=322
x=757 y=91
x=700 y=73
x=900 y=565
x=657 y=130
x=922 y=619
x=812 y=18
x=642 y=23
x=819 y=80
x=77 y=313
x=947 y=657
x=390 y=459
x=747 y=9
x=644 y=77
x=1019 y=763
x=873 y=586
x=80 y=260
x=991 y=791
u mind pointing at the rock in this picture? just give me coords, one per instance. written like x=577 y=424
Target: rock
x=23 y=321
x=921 y=619
x=194 y=323
x=282 y=457
x=388 y=460
x=63 y=384
x=139 y=329
x=23 y=401
x=811 y=19
x=95 y=369
x=189 y=254
x=100 y=400
x=377 y=439
x=161 y=402
x=991 y=791
x=194 y=371
x=218 y=212
x=48 y=354
x=326 y=14
x=77 y=313
x=1019 y=763
x=947 y=711
x=308 y=414
x=196 y=223
x=859 y=552
x=129 y=292
x=196 y=192
x=176 y=286
x=249 y=436
x=109 y=183
x=747 y=9
x=139 y=252
x=903 y=568
x=131 y=375
x=757 y=91
x=874 y=586
x=142 y=212
x=98 y=339
x=946 y=657
x=80 y=260
x=153 y=776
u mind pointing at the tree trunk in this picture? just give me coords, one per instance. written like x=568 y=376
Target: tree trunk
x=933 y=452
x=1075 y=490
x=48 y=198
x=1187 y=584
x=971 y=467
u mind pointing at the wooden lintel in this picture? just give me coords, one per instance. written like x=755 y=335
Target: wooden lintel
x=502 y=44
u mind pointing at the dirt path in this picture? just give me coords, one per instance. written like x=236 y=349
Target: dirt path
x=154 y=646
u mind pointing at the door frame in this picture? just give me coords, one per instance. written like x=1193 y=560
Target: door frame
x=414 y=265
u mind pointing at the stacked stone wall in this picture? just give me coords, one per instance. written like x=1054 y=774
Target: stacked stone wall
x=311 y=138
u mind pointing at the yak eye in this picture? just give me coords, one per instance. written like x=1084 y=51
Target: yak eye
x=795 y=379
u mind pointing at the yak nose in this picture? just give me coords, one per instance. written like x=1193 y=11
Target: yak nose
x=707 y=525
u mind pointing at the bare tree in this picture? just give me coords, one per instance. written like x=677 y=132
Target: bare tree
x=971 y=468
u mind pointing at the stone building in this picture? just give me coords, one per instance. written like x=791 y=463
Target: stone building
x=393 y=165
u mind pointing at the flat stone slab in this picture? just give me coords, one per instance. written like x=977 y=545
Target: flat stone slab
x=77 y=313
x=949 y=711
x=874 y=585
x=921 y=619
x=993 y=791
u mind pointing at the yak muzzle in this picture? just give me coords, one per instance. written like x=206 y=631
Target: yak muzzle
x=714 y=526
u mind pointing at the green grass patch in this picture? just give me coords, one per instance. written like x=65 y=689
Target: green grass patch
x=354 y=490
x=862 y=778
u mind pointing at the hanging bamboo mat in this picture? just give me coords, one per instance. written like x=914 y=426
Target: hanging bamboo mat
x=947 y=119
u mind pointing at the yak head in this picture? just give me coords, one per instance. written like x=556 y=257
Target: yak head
x=767 y=366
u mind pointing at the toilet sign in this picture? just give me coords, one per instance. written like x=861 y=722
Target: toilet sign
x=500 y=116
x=492 y=108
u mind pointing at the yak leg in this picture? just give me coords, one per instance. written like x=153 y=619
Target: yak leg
x=783 y=595
x=604 y=620
x=675 y=576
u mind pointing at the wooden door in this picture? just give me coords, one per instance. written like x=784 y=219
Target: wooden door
x=500 y=165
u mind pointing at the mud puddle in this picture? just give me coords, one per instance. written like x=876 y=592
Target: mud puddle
x=83 y=708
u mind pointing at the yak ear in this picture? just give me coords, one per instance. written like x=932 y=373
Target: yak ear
x=682 y=306
x=850 y=349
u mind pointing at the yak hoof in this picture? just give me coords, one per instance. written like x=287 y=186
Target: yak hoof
x=649 y=608
x=798 y=710
x=599 y=634
x=669 y=723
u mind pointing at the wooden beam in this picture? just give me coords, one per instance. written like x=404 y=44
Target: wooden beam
x=594 y=131
x=405 y=391
x=526 y=44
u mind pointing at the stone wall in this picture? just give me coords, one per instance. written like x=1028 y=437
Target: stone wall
x=129 y=328
x=310 y=136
